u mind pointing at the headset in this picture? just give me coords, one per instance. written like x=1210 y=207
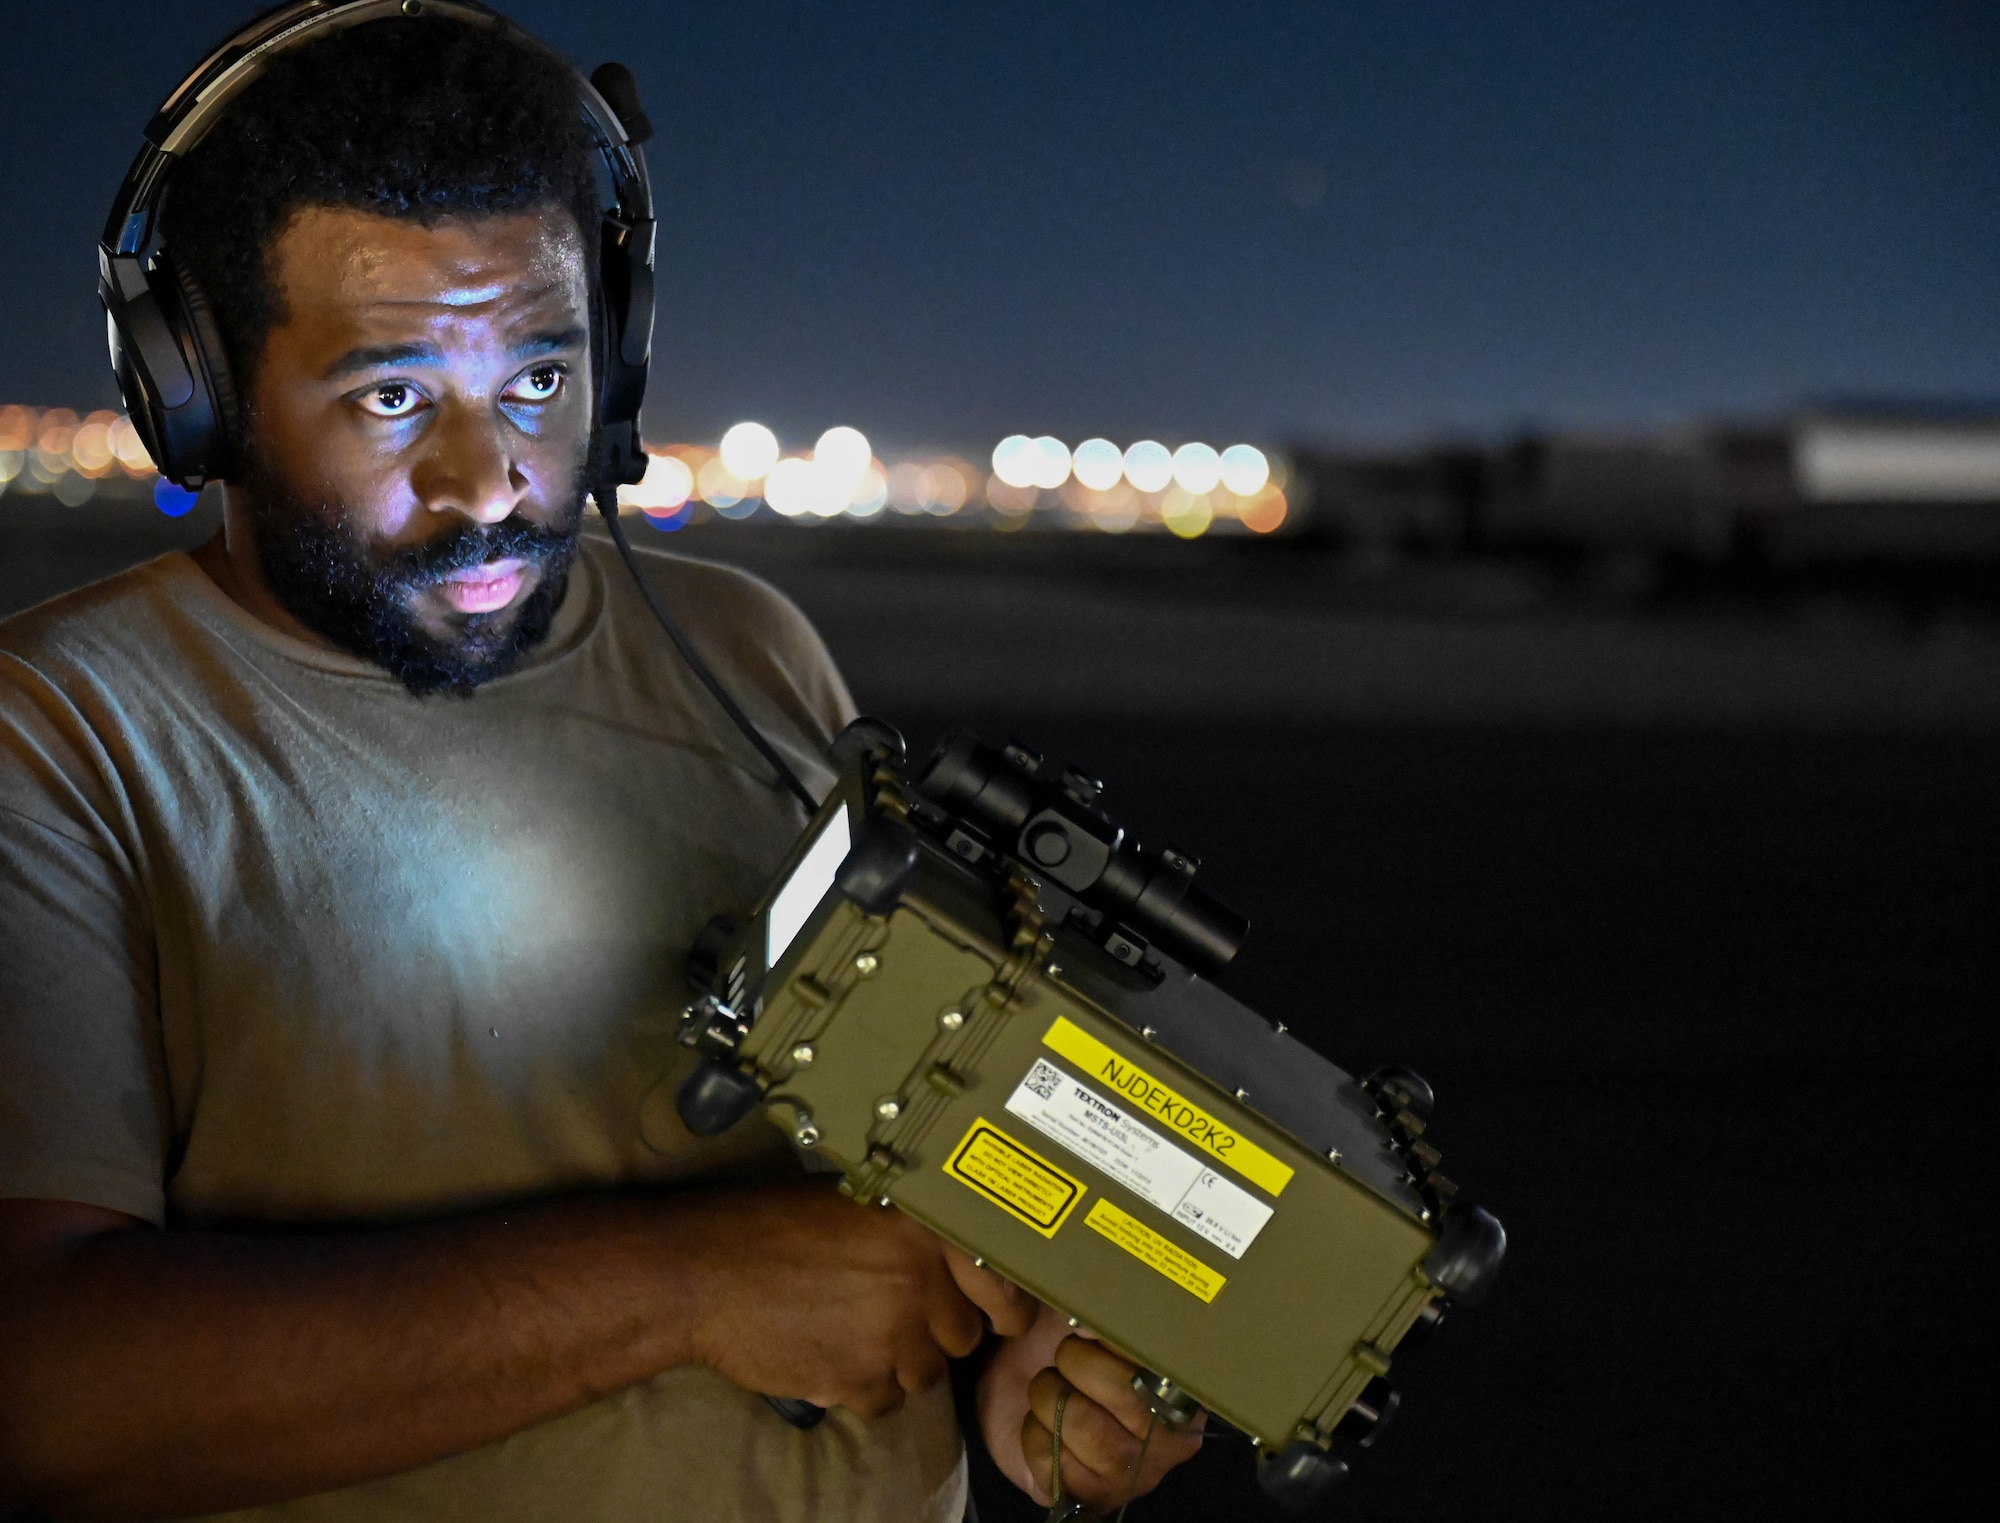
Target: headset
x=167 y=351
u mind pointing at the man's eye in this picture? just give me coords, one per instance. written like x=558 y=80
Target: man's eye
x=392 y=399
x=538 y=385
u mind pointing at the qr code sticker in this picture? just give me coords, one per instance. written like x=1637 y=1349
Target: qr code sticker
x=1043 y=1079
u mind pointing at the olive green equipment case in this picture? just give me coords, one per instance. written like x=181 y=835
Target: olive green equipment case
x=971 y=994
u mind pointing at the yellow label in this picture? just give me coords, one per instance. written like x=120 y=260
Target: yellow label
x=1154 y=1251
x=1168 y=1105
x=1017 y=1179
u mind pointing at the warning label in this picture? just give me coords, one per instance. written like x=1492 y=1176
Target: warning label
x=1149 y=1248
x=1216 y=1138
x=1064 y=1108
x=1017 y=1179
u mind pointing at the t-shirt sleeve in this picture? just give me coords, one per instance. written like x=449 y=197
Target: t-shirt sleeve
x=767 y=654
x=82 y=1091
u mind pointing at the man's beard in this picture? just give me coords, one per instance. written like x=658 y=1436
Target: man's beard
x=330 y=580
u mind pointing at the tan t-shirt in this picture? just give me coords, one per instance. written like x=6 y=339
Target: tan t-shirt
x=280 y=943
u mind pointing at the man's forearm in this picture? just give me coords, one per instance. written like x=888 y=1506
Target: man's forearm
x=172 y=1372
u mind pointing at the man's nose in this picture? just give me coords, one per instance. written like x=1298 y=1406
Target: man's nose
x=469 y=467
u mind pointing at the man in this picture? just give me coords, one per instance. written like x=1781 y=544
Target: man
x=345 y=869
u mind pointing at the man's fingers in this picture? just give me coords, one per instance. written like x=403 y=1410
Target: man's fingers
x=1104 y=1383
x=1089 y=1432
x=1009 y=1308
x=1106 y=1379
x=1078 y=1479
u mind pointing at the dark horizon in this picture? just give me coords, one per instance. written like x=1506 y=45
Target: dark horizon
x=946 y=226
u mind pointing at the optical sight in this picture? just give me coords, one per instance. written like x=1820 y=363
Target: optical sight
x=1050 y=820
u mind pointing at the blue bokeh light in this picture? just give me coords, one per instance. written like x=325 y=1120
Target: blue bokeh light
x=173 y=499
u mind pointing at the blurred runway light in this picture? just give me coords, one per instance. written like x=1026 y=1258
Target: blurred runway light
x=664 y=492
x=1187 y=514
x=870 y=494
x=789 y=486
x=15 y=432
x=1116 y=511
x=56 y=451
x=1147 y=487
x=171 y=499
x=130 y=450
x=1098 y=464
x=1197 y=469
x=749 y=450
x=48 y=460
x=945 y=488
x=90 y=451
x=1245 y=470
x=720 y=487
x=1265 y=512
x=1148 y=466
x=1051 y=463
x=842 y=455
x=906 y=486
x=1009 y=500
x=1015 y=460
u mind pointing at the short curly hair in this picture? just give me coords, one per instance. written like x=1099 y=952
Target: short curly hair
x=418 y=119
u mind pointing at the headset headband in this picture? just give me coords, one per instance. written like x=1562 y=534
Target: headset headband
x=164 y=347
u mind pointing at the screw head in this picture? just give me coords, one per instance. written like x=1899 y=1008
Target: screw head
x=807 y=1135
x=803 y=1054
x=1333 y=1155
x=951 y=1020
x=889 y=1108
x=1243 y=1094
x=1149 y=1032
x=1055 y=970
x=867 y=963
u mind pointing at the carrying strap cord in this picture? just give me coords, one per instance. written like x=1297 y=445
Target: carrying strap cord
x=1060 y=1511
x=1057 y=1512
x=607 y=506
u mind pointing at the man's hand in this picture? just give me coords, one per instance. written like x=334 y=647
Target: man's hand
x=1104 y=1420
x=147 y=1373
x=803 y=1293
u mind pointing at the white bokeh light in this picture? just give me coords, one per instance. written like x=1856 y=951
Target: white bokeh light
x=1245 y=470
x=1016 y=460
x=1148 y=466
x=843 y=454
x=1197 y=469
x=1098 y=464
x=749 y=450
x=790 y=487
x=1052 y=462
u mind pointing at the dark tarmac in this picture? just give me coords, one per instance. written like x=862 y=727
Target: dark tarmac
x=1689 y=918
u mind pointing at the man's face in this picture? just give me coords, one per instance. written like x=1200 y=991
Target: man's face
x=420 y=433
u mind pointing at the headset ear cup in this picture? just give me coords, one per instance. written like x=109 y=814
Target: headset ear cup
x=201 y=340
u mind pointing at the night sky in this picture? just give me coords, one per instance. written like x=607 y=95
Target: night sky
x=1361 y=221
